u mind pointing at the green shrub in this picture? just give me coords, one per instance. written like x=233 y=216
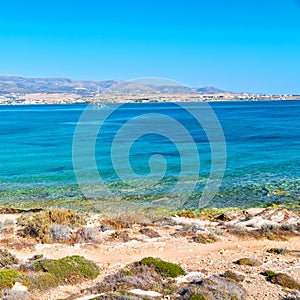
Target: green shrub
x=8 y=278
x=248 y=262
x=41 y=281
x=7 y=259
x=165 y=269
x=70 y=269
x=278 y=251
x=268 y=273
x=285 y=281
x=198 y=297
x=234 y=276
x=37 y=225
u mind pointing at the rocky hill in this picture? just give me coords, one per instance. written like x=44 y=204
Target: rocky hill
x=23 y=85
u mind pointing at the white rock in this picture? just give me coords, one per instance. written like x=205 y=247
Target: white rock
x=145 y=293
x=19 y=287
x=190 y=277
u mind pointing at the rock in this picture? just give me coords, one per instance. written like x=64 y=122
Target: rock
x=19 y=287
x=214 y=287
x=145 y=293
x=192 y=277
x=150 y=233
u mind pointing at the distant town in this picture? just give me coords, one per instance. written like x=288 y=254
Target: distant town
x=15 y=90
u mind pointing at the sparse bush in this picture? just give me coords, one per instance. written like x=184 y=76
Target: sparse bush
x=165 y=269
x=59 y=232
x=248 y=262
x=204 y=238
x=37 y=225
x=269 y=227
x=268 y=273
x=234 y=276
x=278 y=251
x=7 y=259
x=198 y=297
x=7 y=226
x=285 y=281
x=8 y=278
x=42 y=281
x=70 y=269
x=88 y=234
x=288 y=227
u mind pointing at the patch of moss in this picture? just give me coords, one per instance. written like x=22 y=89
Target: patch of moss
x=70 y=269
x=165 y=269
x=198 y=297
x=8 y=278
x=7 y=259
x=248 y=262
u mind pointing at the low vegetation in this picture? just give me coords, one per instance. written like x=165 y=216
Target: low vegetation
x=282 y=279
x=42 y=274
x=70 y=269
x=48 y=225
x=248 y=262
x=281 y=251
x=8 y=278
x=165 y=269
x=234 y=276
x=7 y=259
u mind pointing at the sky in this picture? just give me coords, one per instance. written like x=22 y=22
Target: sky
x=241 y=46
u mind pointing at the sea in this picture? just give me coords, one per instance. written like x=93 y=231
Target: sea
x=149 y=152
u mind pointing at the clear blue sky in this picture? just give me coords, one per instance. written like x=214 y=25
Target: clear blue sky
x=234 y=44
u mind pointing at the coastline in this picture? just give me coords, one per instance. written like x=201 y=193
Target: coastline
x=207 y=247
x=56 y=99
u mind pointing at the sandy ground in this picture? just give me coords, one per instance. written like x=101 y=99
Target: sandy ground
x=216 y=258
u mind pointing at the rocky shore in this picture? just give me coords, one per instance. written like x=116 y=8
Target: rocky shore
x=61 y=254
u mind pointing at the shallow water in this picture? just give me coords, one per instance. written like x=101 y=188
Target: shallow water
x=262 y=140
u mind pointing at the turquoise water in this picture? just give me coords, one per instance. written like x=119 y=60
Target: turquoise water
x=262 y=140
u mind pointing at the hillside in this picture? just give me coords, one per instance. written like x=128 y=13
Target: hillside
x=23 y=85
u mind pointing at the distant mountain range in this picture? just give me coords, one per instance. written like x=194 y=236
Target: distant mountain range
x=23 y=85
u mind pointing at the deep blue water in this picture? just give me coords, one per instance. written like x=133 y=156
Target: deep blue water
x=262 y=140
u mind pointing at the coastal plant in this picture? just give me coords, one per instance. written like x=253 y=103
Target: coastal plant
x=8 y=278
x=7 y=259
x=59 y=232
x=135 y=276
x=198 y=297
x=281 y=251
x=282 y=279
x=37 y=225
x=205 y=238
x=88 y=234
x=234 y=276
x=128 y=220
x=165 y=269
x=7 y=226
x=70 y=269
x=248 y=262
